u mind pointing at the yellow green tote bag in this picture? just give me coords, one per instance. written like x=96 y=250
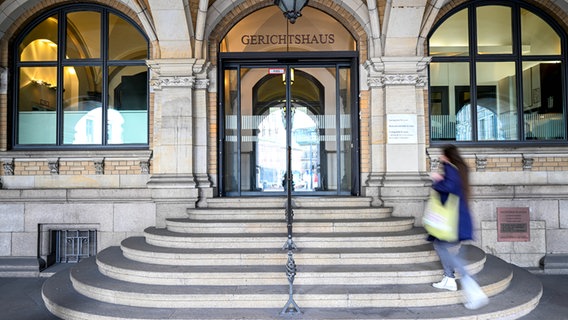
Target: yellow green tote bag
x=441 y=220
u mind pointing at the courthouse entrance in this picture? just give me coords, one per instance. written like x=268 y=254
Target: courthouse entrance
x=292 y=107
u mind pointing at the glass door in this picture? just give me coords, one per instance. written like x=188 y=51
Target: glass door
x=268 y=109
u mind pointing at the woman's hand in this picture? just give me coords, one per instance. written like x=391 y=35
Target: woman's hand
x=436 y=176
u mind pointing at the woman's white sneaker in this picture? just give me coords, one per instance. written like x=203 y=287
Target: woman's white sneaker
x=447 y=284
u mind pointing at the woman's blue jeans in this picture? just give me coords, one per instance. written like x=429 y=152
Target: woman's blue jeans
x=450 y=261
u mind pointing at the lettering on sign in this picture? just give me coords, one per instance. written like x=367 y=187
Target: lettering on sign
x=513 y=224
x=282 y=39
x=276 y=71
x=401 y=128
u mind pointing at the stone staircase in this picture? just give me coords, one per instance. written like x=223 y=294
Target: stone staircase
x=226 y=261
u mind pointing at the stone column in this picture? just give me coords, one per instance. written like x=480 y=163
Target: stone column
x=200 y=133
x=372 y=186
x=398 y=133
x=173 y=178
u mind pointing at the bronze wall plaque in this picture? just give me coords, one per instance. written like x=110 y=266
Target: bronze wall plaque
x=513 y=224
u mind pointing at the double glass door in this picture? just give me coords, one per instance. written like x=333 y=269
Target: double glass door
x=280 y=116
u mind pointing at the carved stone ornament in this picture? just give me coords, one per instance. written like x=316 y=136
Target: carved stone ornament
x=201 y=83
x=527 y=163
x=9 y=168
x=145 y=167
x=99 y=166
x=396 y=79
x=3 y=80
x=480 y=163
x=53 y=166
x=174 y=81
x=434 y=164
x=402 y=79
x=374 y=82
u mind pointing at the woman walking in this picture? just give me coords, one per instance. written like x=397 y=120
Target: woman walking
x=455 y=180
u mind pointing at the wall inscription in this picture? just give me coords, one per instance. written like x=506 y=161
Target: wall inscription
x=513 y=224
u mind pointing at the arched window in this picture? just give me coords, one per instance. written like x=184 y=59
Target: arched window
x=497 y=74
x=80 y=80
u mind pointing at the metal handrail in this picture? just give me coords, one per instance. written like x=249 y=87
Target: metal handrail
x=291 y=305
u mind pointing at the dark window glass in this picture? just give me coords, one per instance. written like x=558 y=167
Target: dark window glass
x=72 y=92
x=516 y=66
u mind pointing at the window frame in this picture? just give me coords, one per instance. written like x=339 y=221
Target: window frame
x=516 y=57
x=103 y=62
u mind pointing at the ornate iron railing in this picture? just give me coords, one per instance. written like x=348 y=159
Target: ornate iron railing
x=291 y=305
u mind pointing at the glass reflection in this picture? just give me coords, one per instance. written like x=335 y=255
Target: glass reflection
x=451 y=38
x=82 y=105
x=543 y=101
x=125 y=41
x=83 y=35
x=37 y=104
x=128 y=105
x=496 y=101
x=449 y=92
x=538 y=38
x=230 y=152
x=70 y=102
x=494 y=30
x=345 y=128
x=40 y=44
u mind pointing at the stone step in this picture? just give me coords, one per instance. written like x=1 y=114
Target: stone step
x=391 y=224
x=517 y=300
x=280 y=202
x=17 y=267
x=269 y=213
x=113 y=264
x=88 y=281
x=137 y=249
x=166 y=238
x=555 y=264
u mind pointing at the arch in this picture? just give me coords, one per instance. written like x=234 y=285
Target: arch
x=223 y=14
x=550 y=7
x=437 y=9
x=55 y=80
x=15 y=16
x=517 y=76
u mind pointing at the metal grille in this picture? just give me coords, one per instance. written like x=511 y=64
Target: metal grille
x=74 y=245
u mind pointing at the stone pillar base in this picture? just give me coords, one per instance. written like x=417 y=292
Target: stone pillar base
x=405 y=192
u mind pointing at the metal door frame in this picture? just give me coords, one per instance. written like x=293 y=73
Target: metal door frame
x=288 y=60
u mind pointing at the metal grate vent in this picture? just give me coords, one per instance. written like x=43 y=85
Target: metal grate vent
x=73 y=245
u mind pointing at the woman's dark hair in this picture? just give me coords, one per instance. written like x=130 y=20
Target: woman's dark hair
x=451 y=152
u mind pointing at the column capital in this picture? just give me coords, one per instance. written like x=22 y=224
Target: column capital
x=177 y=72
x=397 y=71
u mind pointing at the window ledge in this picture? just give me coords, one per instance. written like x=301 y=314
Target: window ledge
x=144 y=155
x=501 y=152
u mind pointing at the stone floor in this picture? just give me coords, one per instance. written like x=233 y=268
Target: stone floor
x=20 y=299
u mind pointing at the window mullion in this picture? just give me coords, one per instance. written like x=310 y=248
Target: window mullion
x=62 y=45
x=104 y=58
x=518 y=52
x=473 y=71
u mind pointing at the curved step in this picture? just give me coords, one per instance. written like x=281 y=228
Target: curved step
x=136 y=248
x=113 y=264
x=88 y=281
x=260 y=213
x=519 y=299
x=166 y=238
x=391 y=224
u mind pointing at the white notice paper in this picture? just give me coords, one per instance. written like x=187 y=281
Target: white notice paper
x=401 y=128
